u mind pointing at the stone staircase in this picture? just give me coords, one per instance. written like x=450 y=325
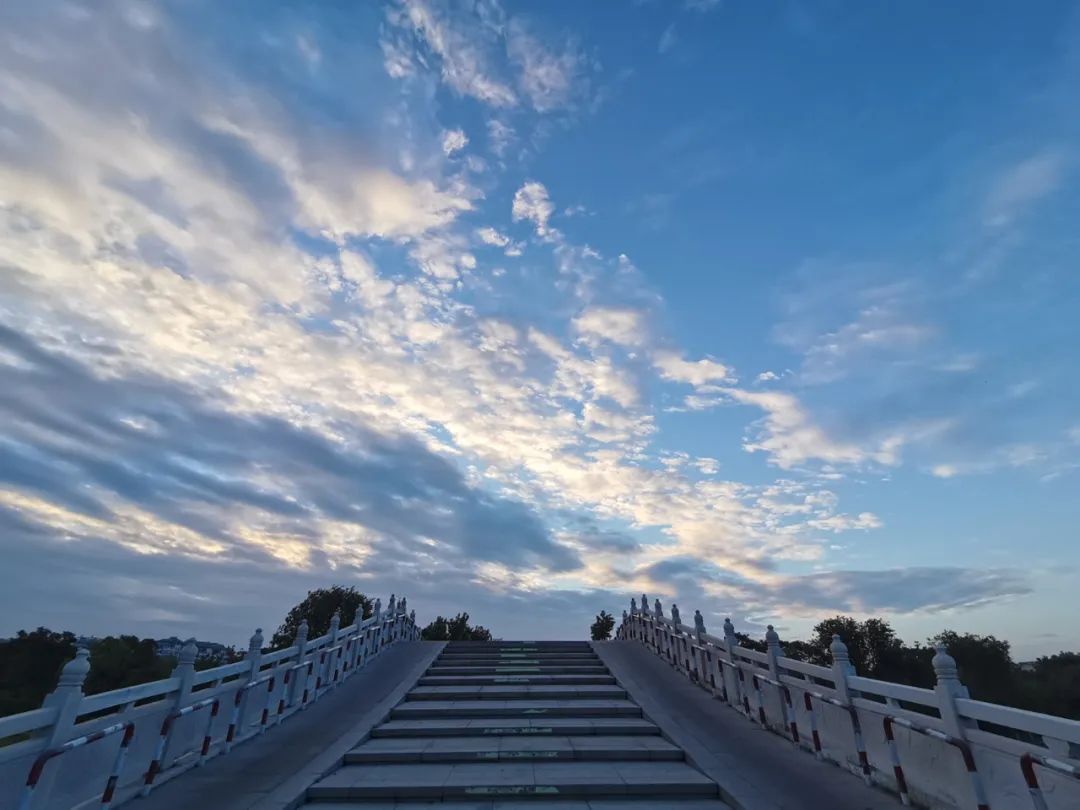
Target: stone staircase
x=517 y=724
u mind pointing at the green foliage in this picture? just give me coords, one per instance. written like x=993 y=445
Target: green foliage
x=455 y=629
x=318 y=608
x=602 y=627
x=29 y=666
x=120 y=661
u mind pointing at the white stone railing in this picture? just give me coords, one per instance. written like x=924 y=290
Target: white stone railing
x=80 y=750
x=936 y=747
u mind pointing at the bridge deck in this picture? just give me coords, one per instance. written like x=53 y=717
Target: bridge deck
x=756 y=770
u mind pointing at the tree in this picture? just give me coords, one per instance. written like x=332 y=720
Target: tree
x=318 y=608
x=602 y=627
x=872 y=645
x=118 y=661
x=29 y=666
x=455 y=629
x=984 y=663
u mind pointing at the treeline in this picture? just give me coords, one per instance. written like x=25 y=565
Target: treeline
x=31 y=661
x=1051 y=685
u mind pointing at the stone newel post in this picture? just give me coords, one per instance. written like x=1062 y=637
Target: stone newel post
x=658 y=611
x=948 y=688
x=185 y=671
x=633 y=606
x=730 y=643
x=299 y=676
x=66 y=699
x=699 y=625
x=841 y=669
x=774 y=651
x=675 y=616
x=254 y=653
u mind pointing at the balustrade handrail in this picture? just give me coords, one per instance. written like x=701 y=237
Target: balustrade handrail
x=737 y=675
x=282 y=677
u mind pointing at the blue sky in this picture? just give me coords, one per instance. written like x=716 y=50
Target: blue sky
x=769 y=309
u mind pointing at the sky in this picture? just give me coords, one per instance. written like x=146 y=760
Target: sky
x=771 y=310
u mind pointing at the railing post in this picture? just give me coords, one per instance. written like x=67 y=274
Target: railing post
x=698 y=649
x=948 y=688
x=299 y=676
x=730 y=643
x=774 y=651
x=254 y=653
x=841 y=669
x=332 y=663
x=412 y=623
x=66 y=699
x=185 y=671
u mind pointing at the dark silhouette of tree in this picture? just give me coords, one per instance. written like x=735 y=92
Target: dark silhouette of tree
x=30 y=664
x=318 y=608
x=455 y=629
x=602 y=627
x=119 y=661
x=985 y=665
x=872 y=644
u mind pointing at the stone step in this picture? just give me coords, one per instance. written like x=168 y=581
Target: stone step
x=516 y=727
x=523 y=654
x=518 y=670
x=559 y=661
x=513 y=749
x=494 y=680
x=625 y=803
x=515 y=708
x=514 y=645
x=534 y=780
x=517 y=692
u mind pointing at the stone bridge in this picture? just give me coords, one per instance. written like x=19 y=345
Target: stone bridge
x=665 y=716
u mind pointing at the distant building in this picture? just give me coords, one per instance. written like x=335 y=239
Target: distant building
x=206 y=649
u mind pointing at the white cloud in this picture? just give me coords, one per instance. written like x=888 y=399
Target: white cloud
x=667 y=39
x=1022 y=185
x=790 y=438
x=767 y=376
x=461 y=47
x=500 y=136
x=550 y=80
x=531 y=202
x=619 y=325
x=673 y=367
x=490 y=236
x=454 y=140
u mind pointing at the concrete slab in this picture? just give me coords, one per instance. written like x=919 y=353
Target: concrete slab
x=506 y=726
x=514 y=708
x=272 y=771
x=517 y=692
x=756 y=769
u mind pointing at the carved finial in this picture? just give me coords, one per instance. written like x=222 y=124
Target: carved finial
x=675 y=615
x=699 y=624
x=624 y=616
x=75 y=670
x=772 y=638
x=658 y=611
x=644 y=603
x=391 y=605
x=401 y=606
x=335 y=620
x=633 y=605
x=188 y=653
x=302 y=631
x=729 y=630
x=839 y=650
x=944 y=665
x=378 y=607
x=255 y=645
x=412 y=616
